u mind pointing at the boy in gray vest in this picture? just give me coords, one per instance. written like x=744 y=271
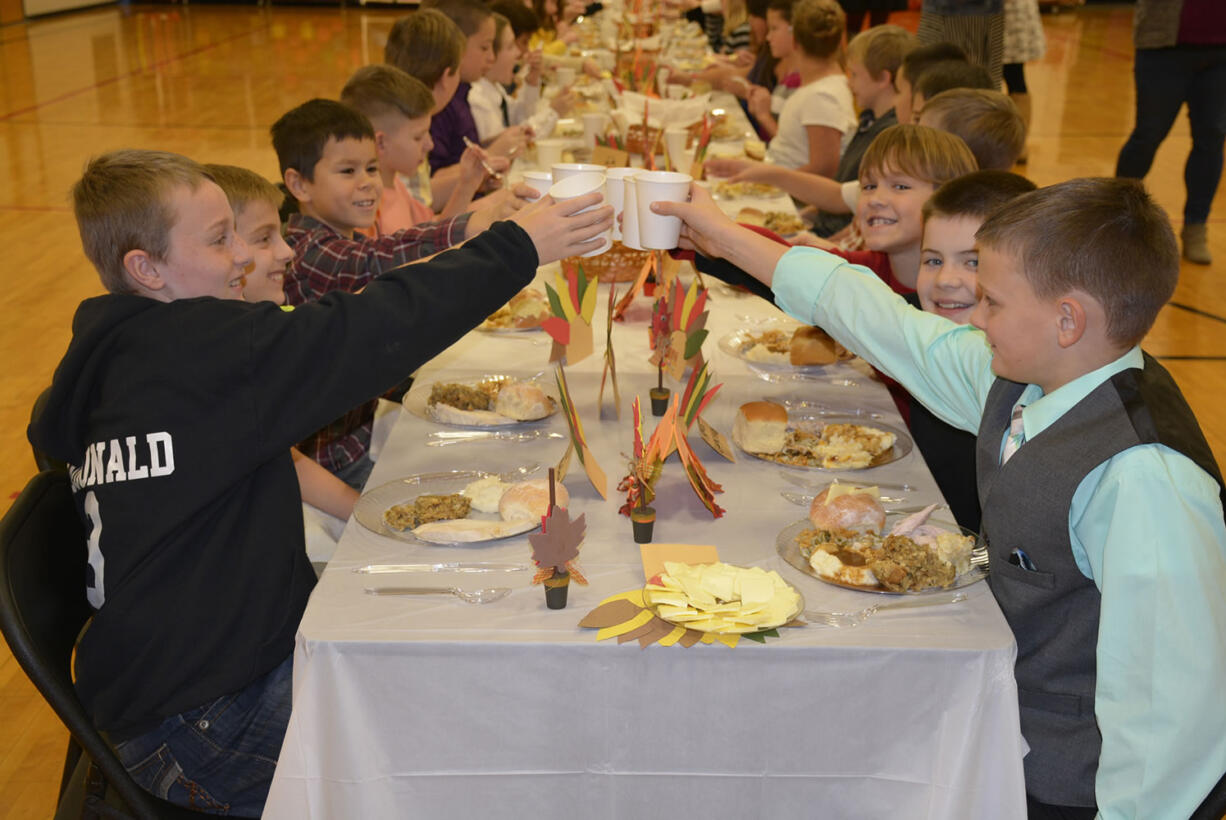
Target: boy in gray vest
x=1102 y=503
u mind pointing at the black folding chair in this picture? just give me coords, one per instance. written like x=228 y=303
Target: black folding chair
x=42 y=612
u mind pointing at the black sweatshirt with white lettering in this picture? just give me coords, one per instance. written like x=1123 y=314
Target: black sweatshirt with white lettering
x=177 y=419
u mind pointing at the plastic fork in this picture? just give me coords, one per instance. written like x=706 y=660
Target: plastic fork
x=848 y=619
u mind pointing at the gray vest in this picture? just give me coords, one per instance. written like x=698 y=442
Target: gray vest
x=1053 y=612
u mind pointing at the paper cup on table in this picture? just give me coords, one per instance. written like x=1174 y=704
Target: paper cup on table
x=542 y=181
x=566 y=170
x=594 y=125
x=549 y=152
x=615 y=183
x=662 y=75
x=675 y=142
x=578 y=185
x=565 y=75
x=658 y=232
x=675 y=92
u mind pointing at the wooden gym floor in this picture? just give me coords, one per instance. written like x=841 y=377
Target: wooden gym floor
x=208 y=80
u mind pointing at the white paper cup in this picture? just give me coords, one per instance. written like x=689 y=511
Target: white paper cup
x=655 y=231
x=662 y=75
x=675 y=91
x=542 y=181
x=578 y=185
x=565 y=75
x=630 y=212
x=549 y=152
x=615 y=179
x=594 y=125
x=675 y=140
x=565 y=170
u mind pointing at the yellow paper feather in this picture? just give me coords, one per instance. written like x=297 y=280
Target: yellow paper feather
x=622 y=628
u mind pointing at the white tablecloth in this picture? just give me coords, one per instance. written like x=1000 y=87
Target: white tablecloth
x=429 y=707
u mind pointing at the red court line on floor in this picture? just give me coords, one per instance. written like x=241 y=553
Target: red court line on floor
x=153 y=67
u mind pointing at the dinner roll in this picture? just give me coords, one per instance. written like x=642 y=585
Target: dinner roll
x=529 y=303
x=858 y=512
x=751 y=216
x=530 y=499
x=812 y=345
x=522 y=401
x=760 y=427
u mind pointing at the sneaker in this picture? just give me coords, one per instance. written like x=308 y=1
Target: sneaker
x=1195 y=241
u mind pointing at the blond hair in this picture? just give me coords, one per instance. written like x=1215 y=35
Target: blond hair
x=122 y=203
x=988 y=121
x=818 y=27
x=424 y=45
x=380 y=91
x=738 y=14
x=1102 y=236
x=881 y=48
x=242 y=187
x=919 y=152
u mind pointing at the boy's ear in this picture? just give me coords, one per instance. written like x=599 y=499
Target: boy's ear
x=380 y=141
x=1072 y=320
x=139 y=266
x=296 y=185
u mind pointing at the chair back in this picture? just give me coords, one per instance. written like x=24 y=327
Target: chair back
x=42 y=612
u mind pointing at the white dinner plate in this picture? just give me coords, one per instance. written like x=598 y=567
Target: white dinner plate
x=415 y=402
x=813 y=421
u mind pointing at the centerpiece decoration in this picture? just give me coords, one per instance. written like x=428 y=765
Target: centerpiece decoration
x=572 y=304
x=555 y=549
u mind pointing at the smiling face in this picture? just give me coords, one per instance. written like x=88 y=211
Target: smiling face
x=403 y=145
x=890 y=210
x=1021 y=327
x=205 y=256
x=260 y=227
x=949 y=267
x=346 y=189
x=779 y=35
x=503 y=69
x=478 y=52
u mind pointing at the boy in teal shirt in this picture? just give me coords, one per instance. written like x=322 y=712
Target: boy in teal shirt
x=1102 y=502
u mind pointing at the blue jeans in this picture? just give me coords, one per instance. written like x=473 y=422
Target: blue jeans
x=1165 y=79
x=355 y=474
x=219 y=757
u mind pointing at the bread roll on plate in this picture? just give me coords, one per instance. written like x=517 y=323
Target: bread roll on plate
x=523 y=401
x=761 y=427
x=529 y=500
x=857 y=511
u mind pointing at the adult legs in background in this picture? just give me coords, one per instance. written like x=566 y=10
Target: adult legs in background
x=981 y=36
x=1015 y=83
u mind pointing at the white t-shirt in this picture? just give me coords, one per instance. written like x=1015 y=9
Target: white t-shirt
x=823 y=102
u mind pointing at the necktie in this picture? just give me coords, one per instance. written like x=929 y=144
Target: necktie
x=1016 y=435
x=506 y=113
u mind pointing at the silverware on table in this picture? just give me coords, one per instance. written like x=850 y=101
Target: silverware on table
x=468 y=596
x=848 y=619
x=445 y=566
x=443 y=438
x=801 y=480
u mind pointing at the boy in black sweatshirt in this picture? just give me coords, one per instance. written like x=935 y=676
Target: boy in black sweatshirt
x=175 y=411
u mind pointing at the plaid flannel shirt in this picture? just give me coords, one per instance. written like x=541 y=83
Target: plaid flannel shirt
x=325 y=261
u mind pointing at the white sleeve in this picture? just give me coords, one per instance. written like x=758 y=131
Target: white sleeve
x=487 y=113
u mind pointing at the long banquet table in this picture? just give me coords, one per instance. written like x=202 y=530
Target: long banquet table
x=430 y=707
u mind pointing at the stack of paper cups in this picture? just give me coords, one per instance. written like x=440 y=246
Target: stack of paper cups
x=658 y=232
x=539 y=180
x=581 y=184
x=675 y=140
x=615 y=179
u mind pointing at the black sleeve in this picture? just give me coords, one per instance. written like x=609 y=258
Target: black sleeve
x=310 y=365
x=729 y=273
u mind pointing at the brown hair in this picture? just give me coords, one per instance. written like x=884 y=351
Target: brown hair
x=301 y=134
x=242 y=186
x=379 y=91
x=1102 y=236
x=424 y=45
x=976 y=195
x=920 y=152
x=469 y=15
x=818 y=27
x=500 y=25
x=881 y=48
x=988 y=121
x=122 y=203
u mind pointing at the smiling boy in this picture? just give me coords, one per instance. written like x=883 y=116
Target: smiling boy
x=1102 y=503
x=327 y=155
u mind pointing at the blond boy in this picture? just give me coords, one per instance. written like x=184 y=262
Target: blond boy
x=1102 y=503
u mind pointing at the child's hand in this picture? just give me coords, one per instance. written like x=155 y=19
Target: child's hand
x=472 y=168
x=759 y=102
x=563 y=102
x=533 y=61
x=558 y=229
x=812 y=240
x=703 y=224
x=743 y=58
x=490 y=209
x=509 y=142
x=729 y=168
